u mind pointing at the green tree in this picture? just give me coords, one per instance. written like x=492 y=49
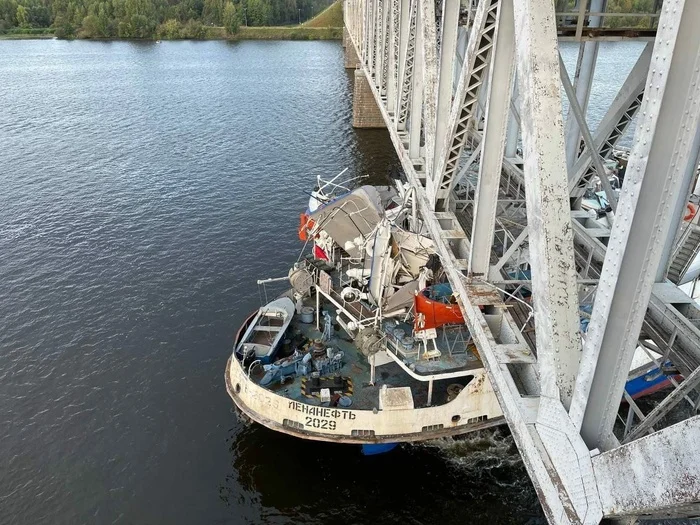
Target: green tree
x=63 y=28
x=258 y=13
x=8 y=10
x=193 y=29
x=141 y=26
x=169 y=30
x=213 y=11
x=22 y=16
x=231 y=19
x=104 y=20
x=38 y=15
x=90 y=27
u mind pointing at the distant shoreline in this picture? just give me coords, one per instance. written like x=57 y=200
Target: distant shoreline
x=218 y=33
x=326 y=25
x=44 y=36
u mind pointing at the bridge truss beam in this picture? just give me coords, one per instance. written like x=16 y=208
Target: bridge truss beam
x=464 y=107
x=500 y=86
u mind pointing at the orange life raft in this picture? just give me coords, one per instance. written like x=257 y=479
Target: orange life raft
x=434 y=308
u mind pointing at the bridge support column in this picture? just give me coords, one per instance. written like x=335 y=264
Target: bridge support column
x=365 y=112
x=351 y=59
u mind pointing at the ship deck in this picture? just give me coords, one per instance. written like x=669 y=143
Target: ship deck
x=456 y=359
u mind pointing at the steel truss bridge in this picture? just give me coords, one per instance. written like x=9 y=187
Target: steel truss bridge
x=472 y=98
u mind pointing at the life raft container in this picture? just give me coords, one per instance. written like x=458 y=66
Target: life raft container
x=434 y=308
x=306 y=224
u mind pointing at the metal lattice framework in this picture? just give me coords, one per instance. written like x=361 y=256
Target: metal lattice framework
x=407 y=53
x=614 y=125
x=474 y=73
x=523 y=255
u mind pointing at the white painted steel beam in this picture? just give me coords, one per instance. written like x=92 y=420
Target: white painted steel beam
x=493 y=142
x=654 y=477
x=448 y=49
x=547 y=195
x=382 y=18
x=663 y=147
x=369 y=21
x=373 y=40
x=361 y=37
x=366 y=20
x=465 y=167
x=583 y=80
x=582 y=129
x=464 y=106
x=429 y=64
x=385 y=49
x=679 y=208
x=513 y=126
x=359 y=29
x=416 y=111
x=407 y=46
x=392 y=75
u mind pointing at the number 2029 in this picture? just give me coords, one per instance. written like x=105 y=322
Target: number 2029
x=322 y=424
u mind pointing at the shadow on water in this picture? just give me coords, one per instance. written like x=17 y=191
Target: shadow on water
x=479 y=478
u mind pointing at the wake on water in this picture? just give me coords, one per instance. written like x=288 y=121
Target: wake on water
x=486 y=466
x=482 y=453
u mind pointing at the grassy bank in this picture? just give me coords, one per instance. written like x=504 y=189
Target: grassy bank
x=332 y=16
x=275 y=33
x=288 y=33
x=219 y=33
x=327 y=25
x=25 y=34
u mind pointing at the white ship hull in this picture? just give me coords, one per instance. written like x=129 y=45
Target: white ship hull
x=474 y=408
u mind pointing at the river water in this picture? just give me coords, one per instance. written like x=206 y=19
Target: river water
x=143 y=190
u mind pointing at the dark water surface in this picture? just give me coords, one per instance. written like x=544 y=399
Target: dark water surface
x=143 y=190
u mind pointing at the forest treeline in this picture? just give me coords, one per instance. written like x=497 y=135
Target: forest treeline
x=192 y=18
x=150 y=18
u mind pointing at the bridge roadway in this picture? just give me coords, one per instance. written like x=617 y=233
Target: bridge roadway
x=458 y=89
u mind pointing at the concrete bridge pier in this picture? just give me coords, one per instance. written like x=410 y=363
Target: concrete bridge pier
x=351 y=59
x=365 y=111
